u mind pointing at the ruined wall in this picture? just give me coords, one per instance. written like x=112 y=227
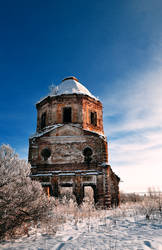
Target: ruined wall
x=44 y=108
x=74 y=102
x=105 y=186
x=91 y=105
x=67 y=144
x=81 y=106
x=53 y=106
x=114 y=189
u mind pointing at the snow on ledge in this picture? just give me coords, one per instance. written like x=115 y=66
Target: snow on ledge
x=102 y=136
x=66 y=173
x=43 y=98
x=52 y=127
x=47 y=129
x=104 y=164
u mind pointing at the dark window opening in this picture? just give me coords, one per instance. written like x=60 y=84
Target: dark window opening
x=87 y=152
x=43 y=120
x=67 y=114
x=93 y=117
x=46 y=153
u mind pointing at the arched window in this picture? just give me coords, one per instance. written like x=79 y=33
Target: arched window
x=46 y=153
x=87 y=152
x=43 y=120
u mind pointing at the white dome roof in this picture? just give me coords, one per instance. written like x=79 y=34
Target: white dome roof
x=70 y=85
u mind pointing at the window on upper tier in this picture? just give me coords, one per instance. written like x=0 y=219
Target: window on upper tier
x=93 y=118
x=67 y=115
x=43 y=120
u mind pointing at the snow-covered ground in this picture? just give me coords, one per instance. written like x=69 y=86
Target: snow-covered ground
x=107 y=230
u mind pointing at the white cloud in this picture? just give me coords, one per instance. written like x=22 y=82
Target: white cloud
x=133 y=122
x=139 y=101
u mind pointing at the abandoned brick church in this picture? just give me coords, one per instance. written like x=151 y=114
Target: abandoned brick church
x=69 y=148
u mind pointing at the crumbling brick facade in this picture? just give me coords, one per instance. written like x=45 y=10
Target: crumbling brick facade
x=70 y=149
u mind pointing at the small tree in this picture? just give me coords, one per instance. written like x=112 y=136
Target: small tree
x=21 y=199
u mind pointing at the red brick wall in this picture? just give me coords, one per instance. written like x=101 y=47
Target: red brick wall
x=91 y=105
x=81 y=107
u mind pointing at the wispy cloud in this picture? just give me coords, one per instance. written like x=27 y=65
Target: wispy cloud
x=133 y=124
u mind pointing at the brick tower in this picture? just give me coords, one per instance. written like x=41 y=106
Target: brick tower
x=69 y=148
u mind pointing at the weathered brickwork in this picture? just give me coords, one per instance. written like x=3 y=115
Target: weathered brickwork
x=88 y=105
x=70 y=149
x=81 y=107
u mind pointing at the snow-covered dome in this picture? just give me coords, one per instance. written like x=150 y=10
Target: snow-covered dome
x=70 y=85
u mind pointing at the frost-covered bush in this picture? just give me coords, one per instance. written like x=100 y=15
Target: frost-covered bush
x=21 y=199
x=152 y=205
x=130 y=197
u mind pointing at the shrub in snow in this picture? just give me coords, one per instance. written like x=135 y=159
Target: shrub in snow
x=151 y=206
x=130 y=197
x=21 y=199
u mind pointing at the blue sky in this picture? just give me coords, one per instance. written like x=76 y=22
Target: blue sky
x=114 y=48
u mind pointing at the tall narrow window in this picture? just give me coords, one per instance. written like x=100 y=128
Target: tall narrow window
x=67 y=114
x=43 y=120
x=87 y=152
x=93 y=118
